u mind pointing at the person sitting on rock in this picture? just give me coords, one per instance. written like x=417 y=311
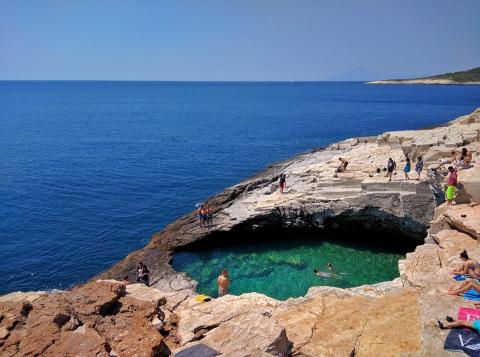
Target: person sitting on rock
x=343 y=165
x=451 y=186
x=469 y=266
x=407 y=168
x=465 y=160
x=376 y=174
x=223 y=282
x=474 y=324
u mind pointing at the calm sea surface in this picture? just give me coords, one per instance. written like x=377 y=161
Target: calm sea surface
x=89 y=170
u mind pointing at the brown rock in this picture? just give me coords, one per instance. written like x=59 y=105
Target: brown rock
x=84 y=341
x=130 y=331
x=96 y=300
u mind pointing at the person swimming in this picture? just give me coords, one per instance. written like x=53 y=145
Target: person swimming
x=324 y=274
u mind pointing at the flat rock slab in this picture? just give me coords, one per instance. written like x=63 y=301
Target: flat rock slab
x=340 y=326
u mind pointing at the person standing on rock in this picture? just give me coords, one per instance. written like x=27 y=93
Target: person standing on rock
x=451 y=185
x=419 y=167
x=209 y=213
x=390 y=167
x=201 y=220
x=223 y=282
x=139 y=271
x=283 y=182
x=145 y=277
x=407 y=168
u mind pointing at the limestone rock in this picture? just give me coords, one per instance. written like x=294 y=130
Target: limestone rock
x=339 y=326
x=235 y=326
x=465 y=218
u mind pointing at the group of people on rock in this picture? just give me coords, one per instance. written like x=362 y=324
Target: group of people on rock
x=460 y=161
x=392 y=168
x=205 y=216
x=470 y=268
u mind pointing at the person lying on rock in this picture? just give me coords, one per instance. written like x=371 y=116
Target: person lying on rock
x=474 y=325
x=465 y=286
x=447 y=161
x=469 y=266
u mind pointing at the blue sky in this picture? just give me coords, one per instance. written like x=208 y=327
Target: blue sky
x=236 y=40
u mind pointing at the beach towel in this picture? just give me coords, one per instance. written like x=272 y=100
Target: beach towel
x=468 y=314
x=199 y=350
x=464 y=340
x=471 y=294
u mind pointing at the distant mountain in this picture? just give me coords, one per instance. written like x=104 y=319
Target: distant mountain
x=359 y=74
x=471 y=76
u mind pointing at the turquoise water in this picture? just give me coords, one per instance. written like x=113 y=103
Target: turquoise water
x=283 y=269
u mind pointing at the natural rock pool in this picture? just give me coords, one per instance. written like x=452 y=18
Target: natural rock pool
x=283 y=268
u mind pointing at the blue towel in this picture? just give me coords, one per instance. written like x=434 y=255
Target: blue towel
x=464 y=340
x=471 y=294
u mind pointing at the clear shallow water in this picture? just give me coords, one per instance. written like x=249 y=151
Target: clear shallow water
x=283 y=269
x=89 y=170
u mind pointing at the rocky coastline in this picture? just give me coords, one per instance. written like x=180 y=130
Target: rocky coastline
x=423 y=81
x=106 y=317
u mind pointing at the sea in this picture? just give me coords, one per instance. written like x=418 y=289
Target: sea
x=89 y=170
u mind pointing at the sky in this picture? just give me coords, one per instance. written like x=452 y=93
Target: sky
x=237 y=40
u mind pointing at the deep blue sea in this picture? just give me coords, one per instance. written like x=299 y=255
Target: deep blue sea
x=89 y=170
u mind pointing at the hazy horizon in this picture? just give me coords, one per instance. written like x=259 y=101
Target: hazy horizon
x=227 y=41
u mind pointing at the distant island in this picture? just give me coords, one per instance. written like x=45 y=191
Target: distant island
x=471 y=76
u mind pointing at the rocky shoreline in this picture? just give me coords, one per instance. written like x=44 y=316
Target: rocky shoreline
x=423 y=81
x=106 y=318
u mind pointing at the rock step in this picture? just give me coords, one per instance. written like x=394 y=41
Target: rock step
x=396 y=186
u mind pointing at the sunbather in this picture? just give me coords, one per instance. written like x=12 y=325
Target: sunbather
x=465 y=286
x=468 y=266
x=474 y=325
x=446 y=161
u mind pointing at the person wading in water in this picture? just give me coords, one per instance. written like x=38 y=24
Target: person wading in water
x=223 y=282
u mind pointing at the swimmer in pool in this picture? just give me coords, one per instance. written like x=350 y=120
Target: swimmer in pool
x=323 y=274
